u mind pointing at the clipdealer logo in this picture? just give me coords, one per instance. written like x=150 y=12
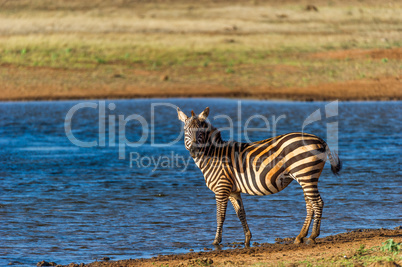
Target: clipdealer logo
x=108 y=123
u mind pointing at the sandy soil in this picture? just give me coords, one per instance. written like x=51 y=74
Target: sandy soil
x=338 y=250
x=385 y=88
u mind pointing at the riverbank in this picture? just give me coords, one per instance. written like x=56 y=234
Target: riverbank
x=51 y=86
x=57 y=50
x=355 y=248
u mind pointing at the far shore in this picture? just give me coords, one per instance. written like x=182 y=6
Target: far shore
x=381 y=89
x=285 y=50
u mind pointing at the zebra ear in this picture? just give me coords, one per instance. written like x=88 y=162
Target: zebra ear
x=183 y=117
x=203 y=115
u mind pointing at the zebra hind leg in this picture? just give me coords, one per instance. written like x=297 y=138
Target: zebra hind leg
x=307 y=222
x=318 y=205
x=237 y=203
x=309 y=183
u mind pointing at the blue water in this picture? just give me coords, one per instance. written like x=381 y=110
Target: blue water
x=64 y=203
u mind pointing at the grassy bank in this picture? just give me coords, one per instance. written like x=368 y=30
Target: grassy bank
x=387 y=253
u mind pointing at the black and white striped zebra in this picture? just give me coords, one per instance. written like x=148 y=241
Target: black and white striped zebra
x=260 y=168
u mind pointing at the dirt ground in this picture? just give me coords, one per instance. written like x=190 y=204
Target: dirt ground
x=355 y=248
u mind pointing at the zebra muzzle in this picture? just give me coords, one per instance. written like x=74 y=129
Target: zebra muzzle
x=193 y=151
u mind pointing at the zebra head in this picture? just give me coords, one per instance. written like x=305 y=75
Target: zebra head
x=195 y=130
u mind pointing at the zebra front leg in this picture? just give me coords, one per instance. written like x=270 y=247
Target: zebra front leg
x=307 y=222
x=237 y=203
x=221 y=205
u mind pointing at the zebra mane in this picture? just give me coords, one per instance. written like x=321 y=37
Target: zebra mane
x=214 y=135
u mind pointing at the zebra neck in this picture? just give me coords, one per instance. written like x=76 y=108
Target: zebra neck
x=213 y=152
x=213 y=141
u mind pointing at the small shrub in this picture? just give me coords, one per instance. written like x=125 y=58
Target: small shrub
x=229 y=70
x=100 y=60
x=54 y=56
x=391 y=246
x=361 y=250
x=155 y=65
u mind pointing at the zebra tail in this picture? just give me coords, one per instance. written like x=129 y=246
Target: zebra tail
x=336 y=163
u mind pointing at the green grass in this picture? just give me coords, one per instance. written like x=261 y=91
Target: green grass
x=391 y=246
x=389 y=251
x=246 y=65
x=75 y=51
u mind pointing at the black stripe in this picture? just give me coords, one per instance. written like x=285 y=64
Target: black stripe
x=309 y=173
x=305 y=165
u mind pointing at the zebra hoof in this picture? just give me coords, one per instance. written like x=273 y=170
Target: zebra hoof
x=310 y=241
x=218 y=247
x=298 y=241
x=247 y=240
x=216 y=242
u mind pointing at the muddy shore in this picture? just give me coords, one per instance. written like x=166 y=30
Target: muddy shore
x=354 y=248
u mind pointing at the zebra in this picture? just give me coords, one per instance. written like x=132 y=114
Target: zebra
x=259 y=168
